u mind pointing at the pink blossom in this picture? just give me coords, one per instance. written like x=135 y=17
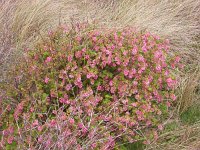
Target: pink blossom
x=126 y=72
x=31 y=109
x=40 y=139
x=137 y=97
x=134 y=50
x=155 y=92
x=46 y=80
x=10 y=139
x=147 y=142
x=181 y=66
x=78 y=78
x=78 y=38
x=53 y=122
x=160 y=80
x=148 y=123
x=125 y=63
x=111 y=83
x=170 y=82
x=144 y=48
x=140 y=71
x=167 y=41
x=134 y=104
x=71 y=121
x=160 y=127
x=68 y=87
x=64 y=100
x=107 y=118
x=71 y=76
x=158 y=68
x=97 y=33
x=164 y=64
x=11 y=130
x=150 y=78
x=140 y=115
x=5 y=132
x=159 y=98
x=35 y=123
x=112 y=47
x=84 y=129
x=173 y=65
x=168 y=104
x=18 y=110
x=108 y=52
x=173 y=97
x=135 y=83
x=94 y=39
x=94 y=145
x=48 y=59
x=115 y=36
x=158 y=54
x=125 y=53
x=146 y=83
x=120 y=44
x=156 y=37
x=96 y=48
x=133 y=71
x=79 y=84
x=132 y=124
x=166 y=73
x=69 y=58
x=118 y=61
x=83 y=50
x=155 y=135
x=78 y=54
x=99 y=88
x=54 y=112
x=141 y=58
x=48 y=143
x=109 y=60
x=63 y=117
x=40 y=128
x=130 y=75
x=90 y=75
x=177 y=59
x=50 y=32
x=125 y=101
x=67 y=132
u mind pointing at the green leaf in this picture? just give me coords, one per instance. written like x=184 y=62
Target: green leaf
x=44 y=96
x=45 y=54
x=108 y=96
x=106 y=101
x=11 y=146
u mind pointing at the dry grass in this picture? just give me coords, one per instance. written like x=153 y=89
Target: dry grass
x=182 y=138
x=24 y=22
x=188 y=91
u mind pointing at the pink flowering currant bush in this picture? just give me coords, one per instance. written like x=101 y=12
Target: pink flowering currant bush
x=86 y=88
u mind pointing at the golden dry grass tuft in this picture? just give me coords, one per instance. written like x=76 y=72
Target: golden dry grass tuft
x=188 y=91
x=184 y=137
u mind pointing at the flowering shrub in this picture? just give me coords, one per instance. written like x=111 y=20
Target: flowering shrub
x=86 y=88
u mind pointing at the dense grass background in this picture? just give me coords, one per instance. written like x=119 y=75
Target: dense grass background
x=24 y=22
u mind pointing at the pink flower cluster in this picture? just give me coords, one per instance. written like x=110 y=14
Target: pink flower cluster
x=105 y=85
